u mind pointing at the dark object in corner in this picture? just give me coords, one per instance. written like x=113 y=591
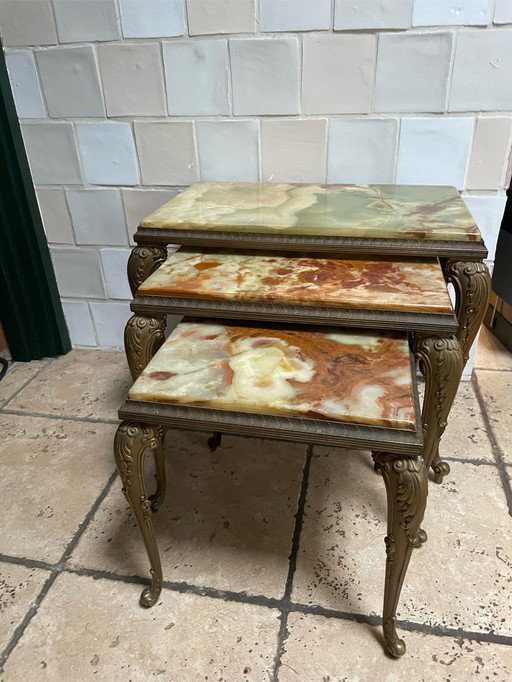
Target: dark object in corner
x=4 y=364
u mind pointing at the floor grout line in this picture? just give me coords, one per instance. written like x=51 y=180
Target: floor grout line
x=56 y=570
x=44 y=364
x=292 y=565
x=497 y=451
x=43 y=415
x=492 y=369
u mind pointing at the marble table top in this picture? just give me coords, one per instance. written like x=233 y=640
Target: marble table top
x=406 y=284
x=359 y=377
x=378 y=211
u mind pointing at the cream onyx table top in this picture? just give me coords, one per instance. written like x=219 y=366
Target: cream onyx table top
x=406 y=284
x=359 y=377
x=382 y=211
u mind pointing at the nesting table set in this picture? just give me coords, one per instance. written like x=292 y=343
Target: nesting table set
x=307 y=309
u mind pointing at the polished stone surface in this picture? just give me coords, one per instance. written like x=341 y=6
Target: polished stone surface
x=378 y=211
x=359 y=377
x=252 y=276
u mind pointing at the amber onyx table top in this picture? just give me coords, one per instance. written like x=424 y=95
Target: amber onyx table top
x=359 y=377
x=376 y=211
x=406 y=284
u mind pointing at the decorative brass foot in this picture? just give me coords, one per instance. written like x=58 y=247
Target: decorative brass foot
x=406 y=488
x=143 y=336
x=143 y=261
x=131 y=443
x=440 y=468
x=441 y=363
x=215 y=441
x=472 y=284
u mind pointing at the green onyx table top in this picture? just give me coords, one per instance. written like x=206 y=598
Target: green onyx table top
x=405 y=284
x=411 y=212
x=361 y=377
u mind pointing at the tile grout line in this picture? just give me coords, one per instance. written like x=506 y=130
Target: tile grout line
x=496 y=450
x=56 y=570
x=292 y=565
x=88 y=420
x=46 y=362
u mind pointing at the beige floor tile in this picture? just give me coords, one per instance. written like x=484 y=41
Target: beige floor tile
x=227 y=521
x=51 y=471
x=496 y=388
x=19 y=586
x=83 y=383
x=465 y=436
x=460 y=578
x=95 y=630
x=17 y=375
x=491 y=353
x=330 y=650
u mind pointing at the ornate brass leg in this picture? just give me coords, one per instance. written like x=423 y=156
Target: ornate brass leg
x=131 y=443
x=142 y=262
x=441 y=363
x=143 y=336
x=161 y=484
x=406 y=488
x=472 y=285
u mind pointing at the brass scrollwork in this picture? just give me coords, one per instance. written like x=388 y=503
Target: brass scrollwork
x=143 y=336
x=143 y=261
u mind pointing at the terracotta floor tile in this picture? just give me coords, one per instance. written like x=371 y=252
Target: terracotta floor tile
x=17 y=375
x=19 y=586
x=491 y=353
x=90 y=629
x=466 y=436
x=51 y=471
x=227 y=521
x=496 y=388
x=331 y=650
x=83 y=383
x=460 y=578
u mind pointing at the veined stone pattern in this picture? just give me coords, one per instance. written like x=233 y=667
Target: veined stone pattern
x=408 y=284
x=381 y=211
x=359 y=377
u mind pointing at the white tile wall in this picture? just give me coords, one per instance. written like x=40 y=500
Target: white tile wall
x=108 y=153
x=228 y=150
x=70 y=80
x=488 y=214
x=81 y=20
x=412 y=72
x=331 y=81
x=352 y=15
x=167 y=154
x=265 y=76
x=287 y=90
x=79 y=322
x=503 y=12
x=152 y=18
x=362 y=151
x=110 y=320
x=452 y=12
x=55 y=215
x=483 y=64
x=114 y=269
x=25 y=83
x=295 y=15
x=97 y=216
x=293 y=151
x=197 y=76
x=133 y=81
x=221 y=16
x=52 y=154
x=434 y=151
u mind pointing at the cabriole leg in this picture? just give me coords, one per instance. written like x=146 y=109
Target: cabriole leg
x=143 y=261
x=143 y=336
x=406 y=488
x=161 y=484
x=131 y=443
x=441 y=362
x=472 y=285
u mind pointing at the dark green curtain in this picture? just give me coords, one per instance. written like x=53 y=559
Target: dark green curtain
x=30 y=308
